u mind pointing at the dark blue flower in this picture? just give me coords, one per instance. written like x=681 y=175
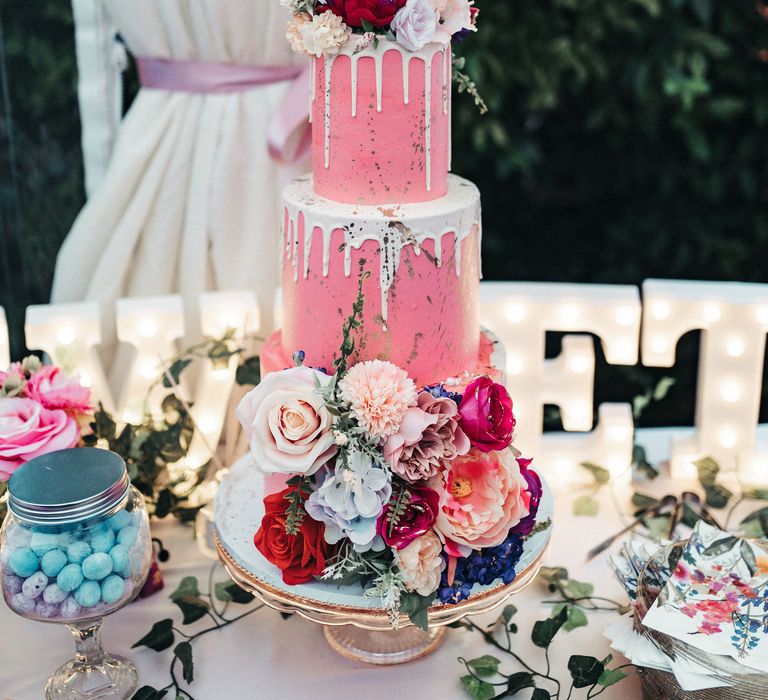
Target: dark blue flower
x=484 y=567
x=440 y=392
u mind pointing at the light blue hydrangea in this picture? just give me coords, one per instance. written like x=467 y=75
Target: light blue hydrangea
x=350 y=500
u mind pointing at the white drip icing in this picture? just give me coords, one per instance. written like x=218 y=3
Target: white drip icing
x=391 y=228
x=327 y=125
x=426 y=55
x=428 y=120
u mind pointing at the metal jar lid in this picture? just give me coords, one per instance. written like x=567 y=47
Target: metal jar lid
x=68 y=487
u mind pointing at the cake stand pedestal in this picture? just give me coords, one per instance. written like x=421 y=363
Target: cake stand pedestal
x=356 y=626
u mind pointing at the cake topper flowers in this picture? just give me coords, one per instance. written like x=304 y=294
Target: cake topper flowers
x=325 y=27
x=413 y=492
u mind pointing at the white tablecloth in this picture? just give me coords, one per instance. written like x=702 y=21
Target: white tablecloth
x=266 y=657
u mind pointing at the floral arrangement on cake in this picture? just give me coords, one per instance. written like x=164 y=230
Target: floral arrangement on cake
x=414 y=492
x=324 y=27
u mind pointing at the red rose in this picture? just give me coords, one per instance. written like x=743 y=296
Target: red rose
x=486 y=415
x=300 y=557
x=379 y=13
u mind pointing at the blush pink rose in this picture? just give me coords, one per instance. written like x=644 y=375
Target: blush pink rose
x=28 y=430
x=54 y=389
x=287 y=423
x=482 y=496
x=486 y=415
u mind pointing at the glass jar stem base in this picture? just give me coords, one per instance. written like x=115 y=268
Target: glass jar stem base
x=92 y=673
x=383 y=647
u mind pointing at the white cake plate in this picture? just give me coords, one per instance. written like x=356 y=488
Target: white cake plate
x=355 y=625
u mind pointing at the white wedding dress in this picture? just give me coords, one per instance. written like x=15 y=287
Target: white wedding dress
x=189 y=201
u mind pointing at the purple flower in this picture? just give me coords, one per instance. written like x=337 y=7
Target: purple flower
x=440 y=392
x=526 y=525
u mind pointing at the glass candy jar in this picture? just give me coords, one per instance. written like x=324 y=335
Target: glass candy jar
x=75 y=546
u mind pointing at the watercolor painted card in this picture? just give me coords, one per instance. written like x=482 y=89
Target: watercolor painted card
x=717 y=597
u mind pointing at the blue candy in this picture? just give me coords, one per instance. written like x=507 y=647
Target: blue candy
x=23 y=562
x=121 y=561
x=102 y=540
x=97 y=566
x=53 y=562
x=42 y=542
x=70 y=577
x=88 y=594
x=77 y=552
x=127 y=536
x=119 y=520
x=112 y=589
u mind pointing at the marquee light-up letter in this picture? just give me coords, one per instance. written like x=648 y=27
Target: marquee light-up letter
x=734 y=320
x=5 y=345
x=521 y=314
x=69 y=334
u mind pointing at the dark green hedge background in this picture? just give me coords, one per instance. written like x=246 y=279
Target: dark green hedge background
x=625 y=140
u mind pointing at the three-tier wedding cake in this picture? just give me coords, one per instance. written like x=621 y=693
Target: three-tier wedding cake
x=382 y=423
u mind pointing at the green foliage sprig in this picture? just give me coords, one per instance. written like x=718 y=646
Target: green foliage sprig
x=398 y=504
x=294 y=514
x=194 y=606
x=351 y=323
x=465 y=84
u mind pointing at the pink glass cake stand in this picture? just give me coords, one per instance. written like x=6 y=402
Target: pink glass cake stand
x=356 y=626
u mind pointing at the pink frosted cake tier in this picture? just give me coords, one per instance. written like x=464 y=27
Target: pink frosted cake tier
x=381 y=124
x=421 y=299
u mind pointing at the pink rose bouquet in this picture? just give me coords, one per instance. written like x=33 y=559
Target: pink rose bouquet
x=41 y=411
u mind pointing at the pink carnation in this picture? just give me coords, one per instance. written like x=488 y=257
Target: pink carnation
x=379 y=394
x=53 y=389
x=482 y=496
x=28 y=430
x=428 y=437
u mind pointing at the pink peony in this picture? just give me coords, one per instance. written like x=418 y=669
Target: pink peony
x=379 y=394
x=428 y=436
x=486 y=415
x=287 y=423
x=28 y=430
x=54 y=390
x=482 y=496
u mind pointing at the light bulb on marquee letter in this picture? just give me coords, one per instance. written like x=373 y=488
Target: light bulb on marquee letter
x=151 y=325
x=521 y=314
x=219 y=312
x=5 y=344
x=69 y=335
x=734 y=321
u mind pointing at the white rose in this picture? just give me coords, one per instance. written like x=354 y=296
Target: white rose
x=287 y=423
x=415 y=24
x=421 y=564
x=455 y=15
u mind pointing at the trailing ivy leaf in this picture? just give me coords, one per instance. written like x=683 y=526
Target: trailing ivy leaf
x=707 y=470
x=586 y=505
x=585 y=670
x=509 y=612
x=164 y=503
x=416 y=607
x=600 y=474
x=611 y=676
x=183 y=652
x=576 y=616
x=188 y=586
x=756 y=494
x=484 y=665
x=147 y=692
x=227 y=591
x=540 y=694
x=479 y=690
x=641 y=500
x=175 y=371
x=717 y=495
x=192 y=608
x=159 y=638
x=579 y=589
x=550 y=574
x=249 y=372
x=518 y=681
x=544 y=631
x=640 y=462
